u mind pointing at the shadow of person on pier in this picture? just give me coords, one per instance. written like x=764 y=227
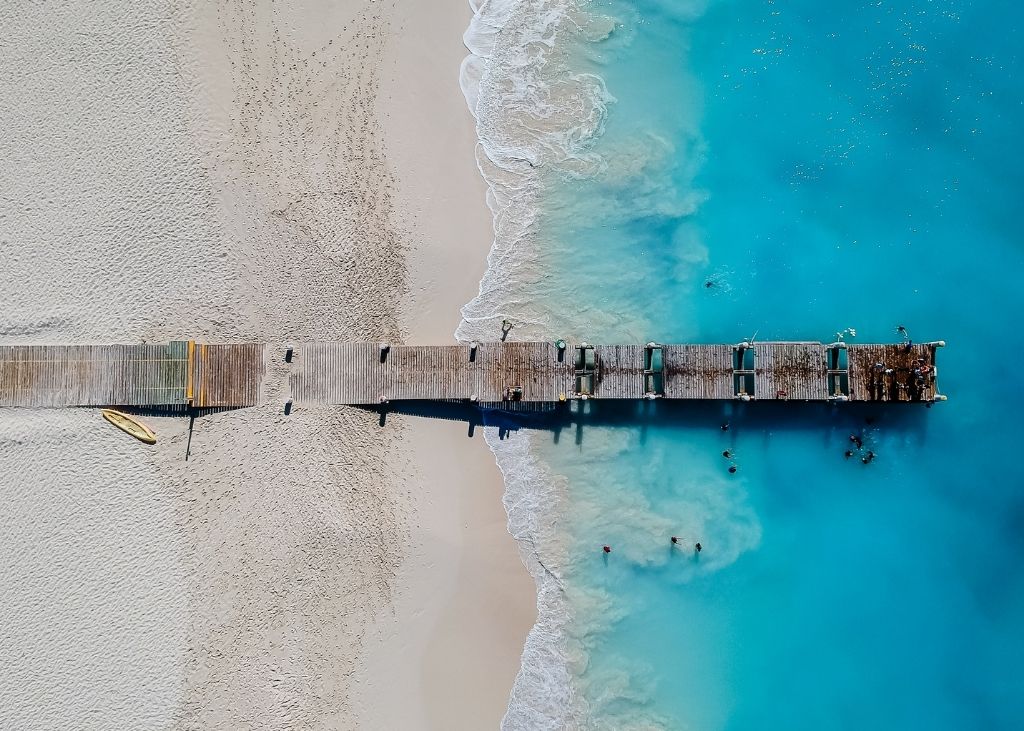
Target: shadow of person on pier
x=846 y=418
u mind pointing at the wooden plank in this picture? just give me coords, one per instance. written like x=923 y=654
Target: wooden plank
x=84 y=375
x=227 y=375
x=892 y=372
x=620 y=371
x=698 y=371
x=794 y=371
x=129 y=375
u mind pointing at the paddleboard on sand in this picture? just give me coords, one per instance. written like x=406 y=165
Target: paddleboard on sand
x=129 y=424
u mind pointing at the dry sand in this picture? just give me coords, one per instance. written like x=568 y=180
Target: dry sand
x=243 y=170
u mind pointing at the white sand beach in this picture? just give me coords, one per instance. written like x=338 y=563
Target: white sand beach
x=246 y=171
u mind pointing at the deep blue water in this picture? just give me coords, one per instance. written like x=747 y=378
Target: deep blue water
x=824 y=166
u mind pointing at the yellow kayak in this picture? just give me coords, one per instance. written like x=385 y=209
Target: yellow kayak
x=129 y=424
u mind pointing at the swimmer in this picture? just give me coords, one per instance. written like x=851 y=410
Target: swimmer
x=727 y=454
x=732 y=469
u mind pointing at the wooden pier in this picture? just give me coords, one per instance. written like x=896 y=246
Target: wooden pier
x=540 y=372
x=179 y=373
x=188 y=374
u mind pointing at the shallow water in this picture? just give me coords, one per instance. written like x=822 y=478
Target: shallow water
x=789 y=171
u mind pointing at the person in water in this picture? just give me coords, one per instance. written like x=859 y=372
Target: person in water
x=848 y=453
x=725 y=426
x=606 y=549
x=732 y=469
x=698 y=548
x=727 y=454
x=675 y=540
x=867 y=458
x=857 y=440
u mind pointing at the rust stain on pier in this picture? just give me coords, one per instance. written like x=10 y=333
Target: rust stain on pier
x=893 y=372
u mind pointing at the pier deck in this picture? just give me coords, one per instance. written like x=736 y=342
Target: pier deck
x=890 y=373
x=369 y=373
x=355 y=373
x=179 y=373
x=198 y=375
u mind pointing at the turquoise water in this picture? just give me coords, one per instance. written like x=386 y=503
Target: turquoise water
x=822 y=166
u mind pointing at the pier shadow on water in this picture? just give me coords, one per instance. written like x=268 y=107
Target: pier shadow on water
x=572 y=419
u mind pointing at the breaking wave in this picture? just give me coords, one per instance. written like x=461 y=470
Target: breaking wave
x=534 y=116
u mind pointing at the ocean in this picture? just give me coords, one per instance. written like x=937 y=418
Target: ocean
x=718 y=171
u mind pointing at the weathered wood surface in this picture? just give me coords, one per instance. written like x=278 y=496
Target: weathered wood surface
x=360 y=373
x=893 y=372
x=354 y=373
x=226 y=375
x=698 y=371
x=222 y=375
x=93 y=375
x=165 y=374
x=790 y=371
x=619 y=371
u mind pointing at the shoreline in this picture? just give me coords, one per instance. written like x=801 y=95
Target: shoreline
x=447 y=650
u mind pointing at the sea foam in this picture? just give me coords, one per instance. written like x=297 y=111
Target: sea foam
x=535 y=118
x=532 y=114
